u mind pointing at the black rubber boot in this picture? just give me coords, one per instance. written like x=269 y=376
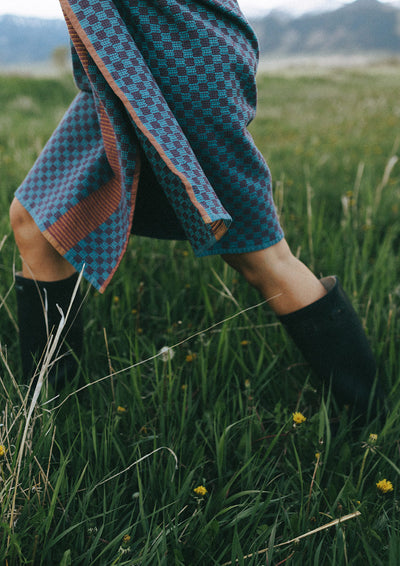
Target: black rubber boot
x=36 y=302
x=332 y=340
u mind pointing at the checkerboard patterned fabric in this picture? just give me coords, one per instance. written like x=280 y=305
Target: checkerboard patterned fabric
x=167 y=90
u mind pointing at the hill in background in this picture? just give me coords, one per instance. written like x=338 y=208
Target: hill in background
x=364 y=26
x=30 y=40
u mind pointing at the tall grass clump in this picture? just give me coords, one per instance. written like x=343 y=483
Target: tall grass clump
x=194 y=433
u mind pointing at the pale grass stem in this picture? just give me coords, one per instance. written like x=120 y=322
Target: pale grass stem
x=160 y=354
x=138 y=462
x=309 y=225
x=48 y=360
x=300 y=537
x=385 y=179
x=228 y=294
x=312 y=481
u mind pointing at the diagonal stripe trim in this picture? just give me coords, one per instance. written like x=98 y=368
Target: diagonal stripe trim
x=79 y=221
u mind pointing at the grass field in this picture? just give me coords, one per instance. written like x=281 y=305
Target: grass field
x=106 y=474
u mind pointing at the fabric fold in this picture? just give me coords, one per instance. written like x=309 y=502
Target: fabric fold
x=172 y=83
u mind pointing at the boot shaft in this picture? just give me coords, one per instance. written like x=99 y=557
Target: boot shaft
x=38 y=304
x=332 y=340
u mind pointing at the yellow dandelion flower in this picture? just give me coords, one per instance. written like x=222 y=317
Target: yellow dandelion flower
x=115 y=300
x=373 y=438
x=3 y=451
x=126 y=539
x=184 y=387
x=134 y=311
x=384 y=486
x=140 y=330
x=185 y=253
x=190 y=357
x=244 y=342
x=121 y=410
x=247 y=383
x=298 y=418
x=200 y=490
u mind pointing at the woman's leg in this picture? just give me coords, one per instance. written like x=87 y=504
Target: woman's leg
x=40 y=260
x=321 y=321
x=282 y=279
x=47 y=283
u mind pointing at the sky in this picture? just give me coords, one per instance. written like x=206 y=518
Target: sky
x=51 y=8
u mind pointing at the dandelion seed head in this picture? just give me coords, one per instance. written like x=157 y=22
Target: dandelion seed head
x=166 y=353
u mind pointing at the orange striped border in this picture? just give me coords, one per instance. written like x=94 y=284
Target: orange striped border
x=73 y=21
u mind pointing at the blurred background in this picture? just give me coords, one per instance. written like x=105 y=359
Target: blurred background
x=34 y=36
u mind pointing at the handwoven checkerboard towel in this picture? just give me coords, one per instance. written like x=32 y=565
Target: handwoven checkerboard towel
x=166 y=86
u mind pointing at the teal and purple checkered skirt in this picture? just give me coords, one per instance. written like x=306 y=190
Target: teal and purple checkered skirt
x=156 y=142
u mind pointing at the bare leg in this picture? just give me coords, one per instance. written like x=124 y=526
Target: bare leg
x=328 y=333
x=40 y=260
x=280 y=277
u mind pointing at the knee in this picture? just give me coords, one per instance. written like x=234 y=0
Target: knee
x=22 y=223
